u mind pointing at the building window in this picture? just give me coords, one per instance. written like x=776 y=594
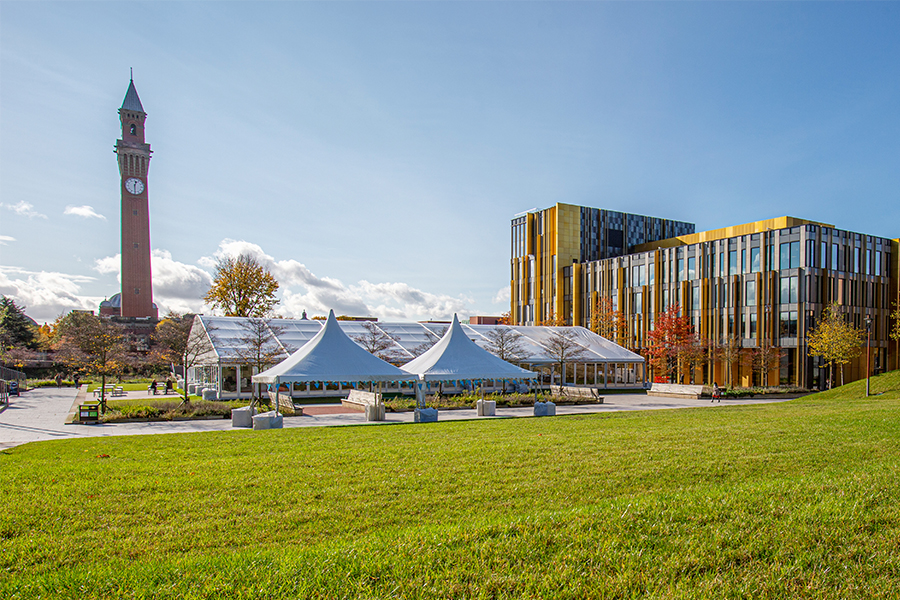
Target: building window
x=754 y=260
x=856 y=260
x=680 y=269
x=788 y=324
x=133 y=129
x=789 y=290
x=835 y=251
x=877 y=262
x=823 y=255
x=692 y=267
x=732 y=262
x=752 y=325
x=137 y=291
x=695 y=297
x=750 y=294
x=789 y=255
x=721 y=264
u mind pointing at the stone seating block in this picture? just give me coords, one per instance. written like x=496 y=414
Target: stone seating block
x=426 y=415
x=210 y=394
x=486 y=408
x=544 y=409
x=242 y=417
x=375 y=412
x=268 y=420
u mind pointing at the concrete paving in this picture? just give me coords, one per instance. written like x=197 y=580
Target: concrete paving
x=40 y=414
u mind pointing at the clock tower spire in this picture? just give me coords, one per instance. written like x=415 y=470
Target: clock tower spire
x=133 y=154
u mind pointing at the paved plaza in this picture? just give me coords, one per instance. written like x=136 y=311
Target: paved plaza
x=41 y=414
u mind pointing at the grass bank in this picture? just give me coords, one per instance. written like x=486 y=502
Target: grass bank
x=798 y=500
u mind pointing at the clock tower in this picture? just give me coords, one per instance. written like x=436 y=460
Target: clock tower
x=133 y=154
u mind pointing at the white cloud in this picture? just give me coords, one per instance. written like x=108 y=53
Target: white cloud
x=46 y=295
x=303 y=290
x=85 y=211
x=177 y=286
x=109 y=264
x=503 y=296
x=180 y=287
x=26 y=209
x=6 y=238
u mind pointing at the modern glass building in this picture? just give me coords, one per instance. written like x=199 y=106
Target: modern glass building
x=760 y=282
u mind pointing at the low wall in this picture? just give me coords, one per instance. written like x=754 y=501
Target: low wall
x=678 y=390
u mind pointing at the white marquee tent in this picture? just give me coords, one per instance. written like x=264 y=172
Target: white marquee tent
x=331 y=356
x=603 y=363
x=455 y=357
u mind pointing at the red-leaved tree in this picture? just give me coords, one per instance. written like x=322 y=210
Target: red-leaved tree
x=673 y=343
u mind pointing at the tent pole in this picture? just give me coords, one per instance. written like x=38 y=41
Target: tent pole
x=277 y=391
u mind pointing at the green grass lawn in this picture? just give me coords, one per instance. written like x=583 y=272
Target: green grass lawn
x=793 y=500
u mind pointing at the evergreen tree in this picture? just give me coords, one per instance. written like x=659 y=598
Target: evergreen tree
x=16 y=330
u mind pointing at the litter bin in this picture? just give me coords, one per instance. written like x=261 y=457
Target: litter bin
x=89 y=413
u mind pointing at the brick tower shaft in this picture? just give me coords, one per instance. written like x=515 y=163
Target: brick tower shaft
x=134 y=163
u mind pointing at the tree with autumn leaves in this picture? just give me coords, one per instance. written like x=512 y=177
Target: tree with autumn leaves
x=90 y=344
x=606 y=321
x=673 y=344
x=835 y=340
x=242 y=287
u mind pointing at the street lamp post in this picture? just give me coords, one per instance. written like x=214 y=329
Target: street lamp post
x=868 y=337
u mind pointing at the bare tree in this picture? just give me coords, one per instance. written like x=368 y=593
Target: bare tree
x=432 y=339
x=729 y=351
x=377 y=342
x=259 y=347
x=506 y=343
x=763 y=359
x=563 y=347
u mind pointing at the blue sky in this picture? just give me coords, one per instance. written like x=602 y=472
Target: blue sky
x=372 y=154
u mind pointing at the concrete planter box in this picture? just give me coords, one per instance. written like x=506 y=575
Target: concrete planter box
x=210 y=394
x=544 y=409
x=426 y=415
x=268 y=420
x=486 y=408
x=242 y=417
x=375 y=412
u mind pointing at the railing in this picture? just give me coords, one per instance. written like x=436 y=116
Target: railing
x=11 y=374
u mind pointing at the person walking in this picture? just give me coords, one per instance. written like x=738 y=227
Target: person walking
x=77 y=380
x=58 y=379
x=717 y=393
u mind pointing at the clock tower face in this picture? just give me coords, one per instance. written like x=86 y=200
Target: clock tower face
x=134 y=185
